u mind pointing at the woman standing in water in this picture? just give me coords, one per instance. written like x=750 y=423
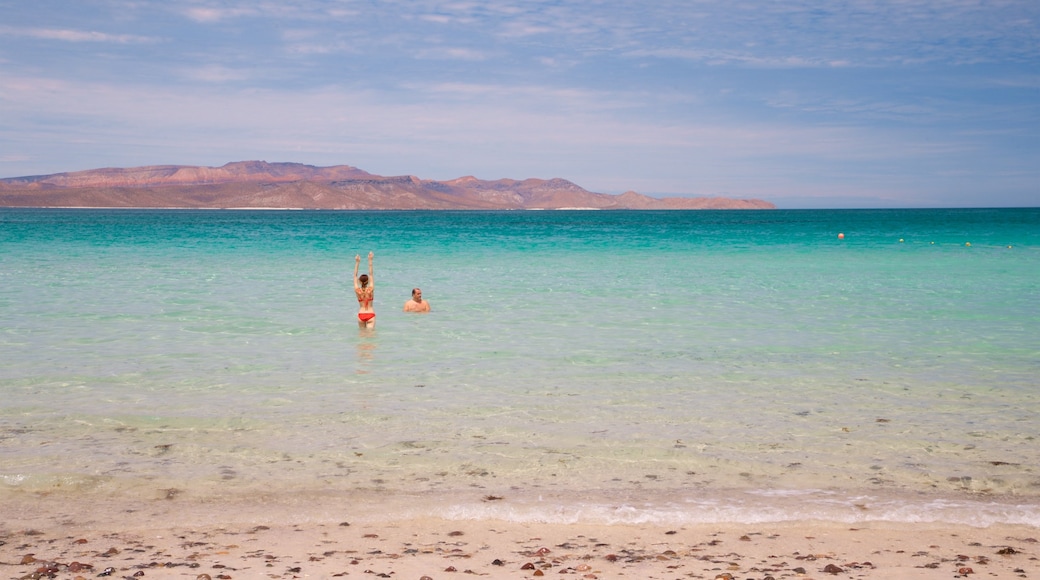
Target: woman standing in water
x=364 y=288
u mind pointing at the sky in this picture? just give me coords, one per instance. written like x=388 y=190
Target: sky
x=850 y=103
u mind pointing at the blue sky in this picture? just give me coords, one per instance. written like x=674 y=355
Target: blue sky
x=858 y=103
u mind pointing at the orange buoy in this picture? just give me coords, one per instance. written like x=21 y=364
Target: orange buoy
x=841 y=236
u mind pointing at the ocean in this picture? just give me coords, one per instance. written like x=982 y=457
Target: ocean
x=600 y=366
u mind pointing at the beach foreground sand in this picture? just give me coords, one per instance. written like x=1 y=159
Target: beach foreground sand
x=50 y=538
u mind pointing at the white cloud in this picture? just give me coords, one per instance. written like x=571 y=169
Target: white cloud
x=68 y=35
x=437 y=18
x=214 y=73
x=729 y=57
x=209 y=15
x=531 y=120
x=861 y=108
x=524 y=29
x=451 y=53
x=280 y=11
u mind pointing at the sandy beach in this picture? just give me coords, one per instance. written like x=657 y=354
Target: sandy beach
x=48 y=537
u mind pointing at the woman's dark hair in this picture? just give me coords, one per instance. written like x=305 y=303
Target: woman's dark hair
x=363 y=279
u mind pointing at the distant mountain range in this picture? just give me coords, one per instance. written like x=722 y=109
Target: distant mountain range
x=258 y=184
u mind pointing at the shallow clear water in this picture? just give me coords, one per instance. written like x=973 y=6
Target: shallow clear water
x=737 y=365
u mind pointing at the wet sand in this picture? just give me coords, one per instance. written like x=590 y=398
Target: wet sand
x=46 y=535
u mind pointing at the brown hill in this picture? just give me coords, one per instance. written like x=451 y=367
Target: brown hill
x=258 y=184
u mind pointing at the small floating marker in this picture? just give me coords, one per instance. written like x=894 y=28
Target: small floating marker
x=967 y=244
x=841 y=236
x=900 y=240
x=933 y=243
x=1009 y=247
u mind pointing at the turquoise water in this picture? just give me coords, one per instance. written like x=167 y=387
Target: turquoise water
x=690 y=366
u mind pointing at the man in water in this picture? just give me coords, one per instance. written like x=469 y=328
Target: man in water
x=416 y=304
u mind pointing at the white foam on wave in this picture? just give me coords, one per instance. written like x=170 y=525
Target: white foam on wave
x=754 y=508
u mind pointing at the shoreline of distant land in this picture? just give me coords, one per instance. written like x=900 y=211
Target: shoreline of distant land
x=285 y=186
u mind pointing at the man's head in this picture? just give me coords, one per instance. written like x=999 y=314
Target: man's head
x=417 y=294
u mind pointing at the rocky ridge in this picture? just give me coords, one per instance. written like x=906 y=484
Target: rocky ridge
x=259 y=185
